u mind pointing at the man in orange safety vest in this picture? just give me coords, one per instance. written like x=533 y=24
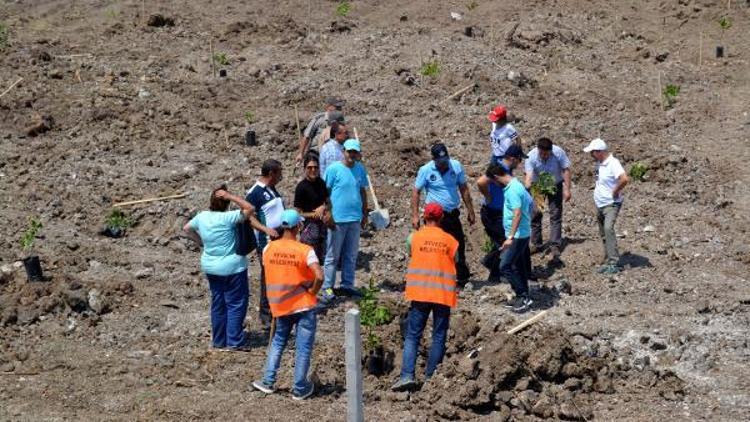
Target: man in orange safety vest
x=431 y=287
x=293 y=278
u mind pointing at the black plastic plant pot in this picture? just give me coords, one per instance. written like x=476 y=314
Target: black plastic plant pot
x=376 y=361
x=113 y=232
x=222 y=73
x=719 y=51
x=33 y=268
x=250 y=138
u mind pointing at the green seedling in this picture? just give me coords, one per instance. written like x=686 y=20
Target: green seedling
x=670 y=94
x=27 y=240
x=221 y=58
x=249 y=117
x=638 y=171
x=430 y=69
x=3 y=35
x=488 y=245
x=372 y=314
x=543 y=187
x=725 y=23
x=343 y=9
x=472 y=5
x=118 y=220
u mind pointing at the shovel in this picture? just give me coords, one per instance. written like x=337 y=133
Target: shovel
x=379 y=217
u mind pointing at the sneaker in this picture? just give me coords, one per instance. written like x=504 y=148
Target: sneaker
x=404 y=384
x=608 y=269
x=261 y=385
x=301 y=395
x=328 y=297
x=519 y=304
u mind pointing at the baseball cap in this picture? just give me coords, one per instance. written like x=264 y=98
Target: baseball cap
x=440 y=153
x=335 y=101
x=290 y=218
x=515 y=151
x=352 y=145
x=433 y=211
x=498 y=113
x=596 y=145
x=336 y=116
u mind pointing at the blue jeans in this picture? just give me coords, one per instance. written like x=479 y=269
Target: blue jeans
x=229 y=297
x=419 y=312
x=514 y=266
x=342 y=243
x=306 y=323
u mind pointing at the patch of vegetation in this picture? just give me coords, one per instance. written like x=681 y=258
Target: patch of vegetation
x=543 y=187
x=343 y=9
x=670 y=94
x=487 y=245
x=725 y=23
x=249 y=117
x=28 y=237
x=638 y=171
x=221 y=58
x=430 y=68
x=111 y=14
x=3 y=35
x=118 y=220
x=472 y=5
x=372 y=314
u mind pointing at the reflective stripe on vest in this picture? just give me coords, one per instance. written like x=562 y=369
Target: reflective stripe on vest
x=288 y=277
x=431 y=276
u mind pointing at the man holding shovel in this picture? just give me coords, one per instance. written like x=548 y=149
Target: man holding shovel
x=443 y=179
x=316 y=125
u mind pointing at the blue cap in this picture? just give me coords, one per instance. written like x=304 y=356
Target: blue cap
x=352 y=144
x=290 y=218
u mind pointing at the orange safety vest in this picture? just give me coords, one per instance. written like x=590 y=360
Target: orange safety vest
x=288 y=277
x=431 y=276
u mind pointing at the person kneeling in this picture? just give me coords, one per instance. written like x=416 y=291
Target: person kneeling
x=293 y=278
x=431 y=286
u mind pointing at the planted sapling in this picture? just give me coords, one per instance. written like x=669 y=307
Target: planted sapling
x=430 y=68
x=638 y=171
x=670 y=93
x=343 y=9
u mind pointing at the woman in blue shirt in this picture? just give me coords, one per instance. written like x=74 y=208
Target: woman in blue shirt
x=216 y=231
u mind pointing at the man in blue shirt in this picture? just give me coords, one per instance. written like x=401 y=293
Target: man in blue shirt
x=517 y=226
x=549 y=158
x=443 y=179
x=268 y=206
x=333 y=149
x=346 y=181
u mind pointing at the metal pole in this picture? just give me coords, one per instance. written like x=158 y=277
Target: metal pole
x=353 y=345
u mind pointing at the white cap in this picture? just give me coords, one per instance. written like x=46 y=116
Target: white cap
x=596 y=145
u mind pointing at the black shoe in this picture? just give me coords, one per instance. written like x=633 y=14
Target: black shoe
x=519 y=304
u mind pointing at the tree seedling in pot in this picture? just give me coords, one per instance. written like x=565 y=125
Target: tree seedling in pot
x=373 y=315
x=638 y=171
x=221 y=58
x=725 y=23
x=31 y=261
x=543 y=187
x=116 y=224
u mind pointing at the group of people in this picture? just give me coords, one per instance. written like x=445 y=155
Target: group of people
x=302 y=247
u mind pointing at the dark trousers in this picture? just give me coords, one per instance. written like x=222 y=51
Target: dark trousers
x=451 y=223
x=492 y=220
x=555 y=209
x=514 y=266
x=416 y=321
x=264 y=310
x=229 y=297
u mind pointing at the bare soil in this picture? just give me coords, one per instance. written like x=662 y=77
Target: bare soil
x=118 y=104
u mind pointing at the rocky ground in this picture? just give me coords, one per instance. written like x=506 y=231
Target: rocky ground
x=117 y=105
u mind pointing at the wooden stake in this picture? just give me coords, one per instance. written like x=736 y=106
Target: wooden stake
x=658 y=89
x=460 y=92
x=11 y=87
x=211 y=51
x=700 y=51
x=528 y=322
x=143 y=201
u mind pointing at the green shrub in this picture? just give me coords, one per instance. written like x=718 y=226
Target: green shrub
x=487 y=245
x=249 y=117
x=638 y=171
x=221 y=58
x=372 y=314
x=430 y=69
x=118 y=220
x=343 y=9
x=670 y=94
x=28 y=237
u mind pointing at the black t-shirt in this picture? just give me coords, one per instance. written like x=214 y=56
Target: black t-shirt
x=310 y=195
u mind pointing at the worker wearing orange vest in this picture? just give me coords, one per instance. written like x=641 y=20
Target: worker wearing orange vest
x=431 y=287
x=293 y=278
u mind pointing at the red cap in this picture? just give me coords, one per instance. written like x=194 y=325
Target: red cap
x=433 y=211
x=498 y=113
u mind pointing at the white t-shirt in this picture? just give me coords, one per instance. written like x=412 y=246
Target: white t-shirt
x=607 y=173
x=501 y=138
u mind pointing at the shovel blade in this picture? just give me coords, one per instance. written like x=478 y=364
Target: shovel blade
x=380 y=219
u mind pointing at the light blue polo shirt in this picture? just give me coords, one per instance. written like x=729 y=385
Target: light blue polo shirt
x=441 y=188
x=555 y=164
x=517 y=197
x=344 y=185
x=218 y=232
